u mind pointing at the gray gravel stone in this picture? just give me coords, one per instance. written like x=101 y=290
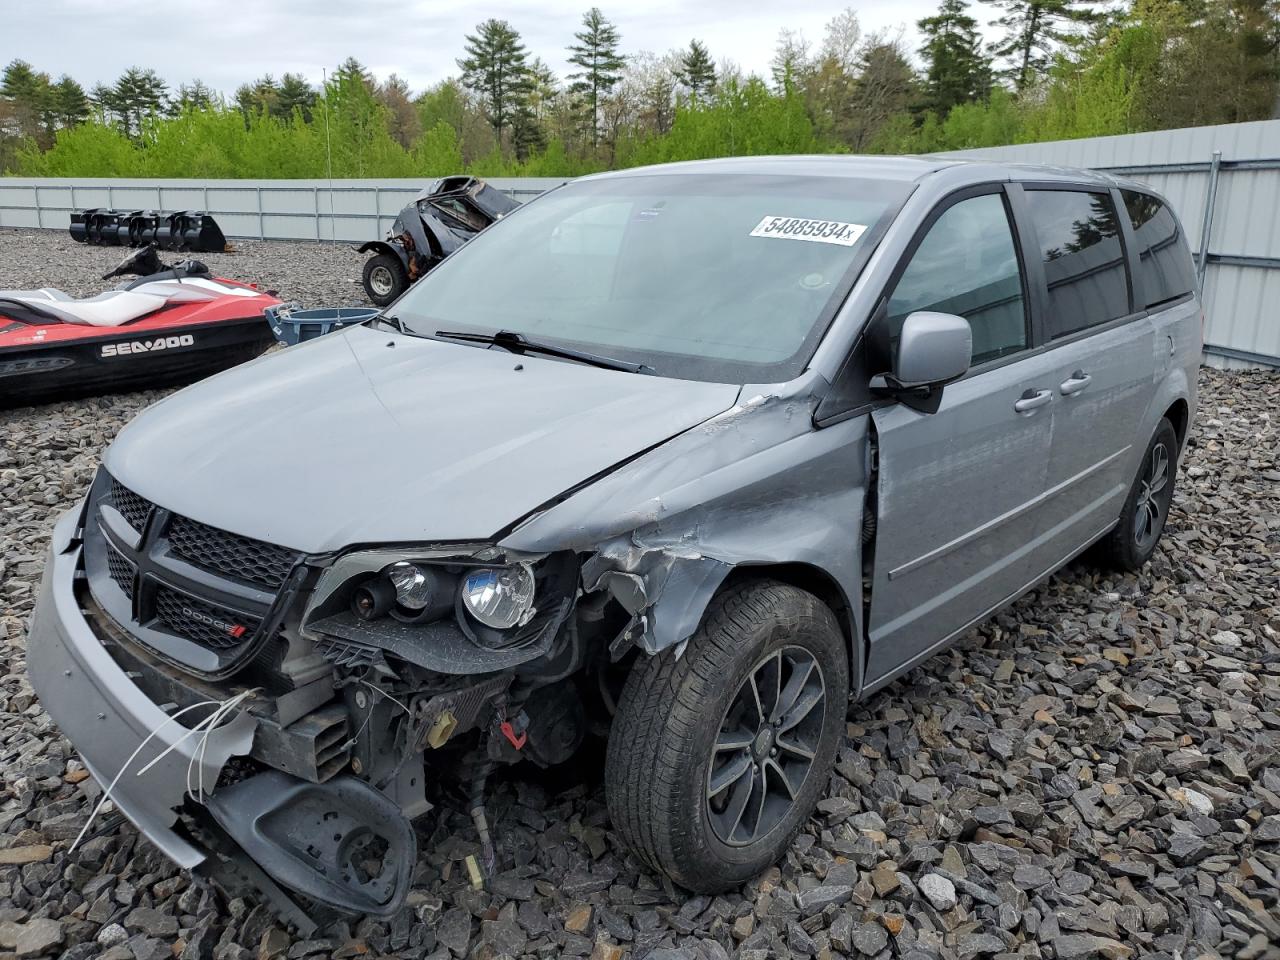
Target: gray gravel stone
x=38 y=937
x=939 y=891
x=870 y=938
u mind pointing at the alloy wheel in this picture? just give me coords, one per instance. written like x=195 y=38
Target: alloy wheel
x=765 y=749
x=1147 y=516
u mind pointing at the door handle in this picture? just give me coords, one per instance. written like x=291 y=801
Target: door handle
x=1032 y=399
x=1075 y=383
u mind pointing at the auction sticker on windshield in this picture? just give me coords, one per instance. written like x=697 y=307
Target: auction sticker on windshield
x=819 y=231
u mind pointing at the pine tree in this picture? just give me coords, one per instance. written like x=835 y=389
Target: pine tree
x=1033 y=29
x=261 y=95
x=885 y=86
x=196 y=95
x=697 y=71
x=103 y=99
x=295 y=93
x=353 y=69
x=70 y=104
x=30 y=96
x=21 y=82
x=138 y=94
x=956 y=70
x=600 y=64
x=496 y=69
x=544 y=88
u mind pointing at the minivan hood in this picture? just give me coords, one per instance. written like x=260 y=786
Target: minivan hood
x=367 y=436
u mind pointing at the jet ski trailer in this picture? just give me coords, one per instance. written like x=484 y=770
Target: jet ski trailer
x=169 y=327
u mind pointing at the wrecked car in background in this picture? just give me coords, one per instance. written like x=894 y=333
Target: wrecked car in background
x=692 y=454
x=447 y=215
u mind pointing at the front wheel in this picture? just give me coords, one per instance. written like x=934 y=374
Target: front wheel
x=1130 y=545
x=717 y=757
x=384 y=278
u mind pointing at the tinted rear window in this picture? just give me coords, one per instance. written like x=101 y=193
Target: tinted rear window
x=1083 y=260
x=1166 y=268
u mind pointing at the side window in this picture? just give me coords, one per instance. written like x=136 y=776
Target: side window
x=967 y=265
x=1083 y=259
x=1165 y=260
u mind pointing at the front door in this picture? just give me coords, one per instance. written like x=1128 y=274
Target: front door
x=959 y=491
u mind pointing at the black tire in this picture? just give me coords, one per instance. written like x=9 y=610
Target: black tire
x=1130 y=545
x=384 y=278
x=660 y=755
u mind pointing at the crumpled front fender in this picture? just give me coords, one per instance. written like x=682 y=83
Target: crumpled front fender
x=755 y=486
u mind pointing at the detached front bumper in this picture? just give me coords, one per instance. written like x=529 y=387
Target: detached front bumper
x=106 y=716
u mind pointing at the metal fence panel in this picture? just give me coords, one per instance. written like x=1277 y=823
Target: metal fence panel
x=344 y=210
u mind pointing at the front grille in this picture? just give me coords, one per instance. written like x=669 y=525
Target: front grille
x=231 y=554
x=131 y=506
x=204 y=623
x=121 y=570
x=148 y=585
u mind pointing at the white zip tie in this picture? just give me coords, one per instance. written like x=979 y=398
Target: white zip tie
x=106 y=794
x=212 y=723
x=190 y=732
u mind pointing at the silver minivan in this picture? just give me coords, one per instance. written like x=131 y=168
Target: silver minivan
x=685 y=456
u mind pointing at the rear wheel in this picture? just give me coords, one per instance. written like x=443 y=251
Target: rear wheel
x=1130 y=545
x=384 y=278
x=717 y=757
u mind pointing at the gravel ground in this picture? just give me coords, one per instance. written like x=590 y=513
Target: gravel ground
x=1094 y=773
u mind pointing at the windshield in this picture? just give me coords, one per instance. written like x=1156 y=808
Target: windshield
x=728 y=278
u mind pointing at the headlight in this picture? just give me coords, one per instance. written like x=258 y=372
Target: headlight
x=407 y=591
x=499 y=597
x=413 y=589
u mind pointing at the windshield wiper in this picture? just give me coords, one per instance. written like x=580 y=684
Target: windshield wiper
x=519 y=343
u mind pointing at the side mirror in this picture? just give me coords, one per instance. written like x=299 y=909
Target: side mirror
x=933 y=350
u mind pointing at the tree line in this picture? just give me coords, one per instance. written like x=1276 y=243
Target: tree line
x=1057 y=69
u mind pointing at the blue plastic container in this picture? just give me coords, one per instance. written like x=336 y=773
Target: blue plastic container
x=291 y=324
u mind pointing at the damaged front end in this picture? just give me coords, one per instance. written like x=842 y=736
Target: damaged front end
x=278 y=720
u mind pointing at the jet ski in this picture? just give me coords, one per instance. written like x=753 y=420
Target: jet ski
x=169 y=326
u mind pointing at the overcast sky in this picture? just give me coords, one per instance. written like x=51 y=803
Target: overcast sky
x=229 y=42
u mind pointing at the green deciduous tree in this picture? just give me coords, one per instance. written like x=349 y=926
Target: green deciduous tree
x=403 y=119
x=790 y=64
